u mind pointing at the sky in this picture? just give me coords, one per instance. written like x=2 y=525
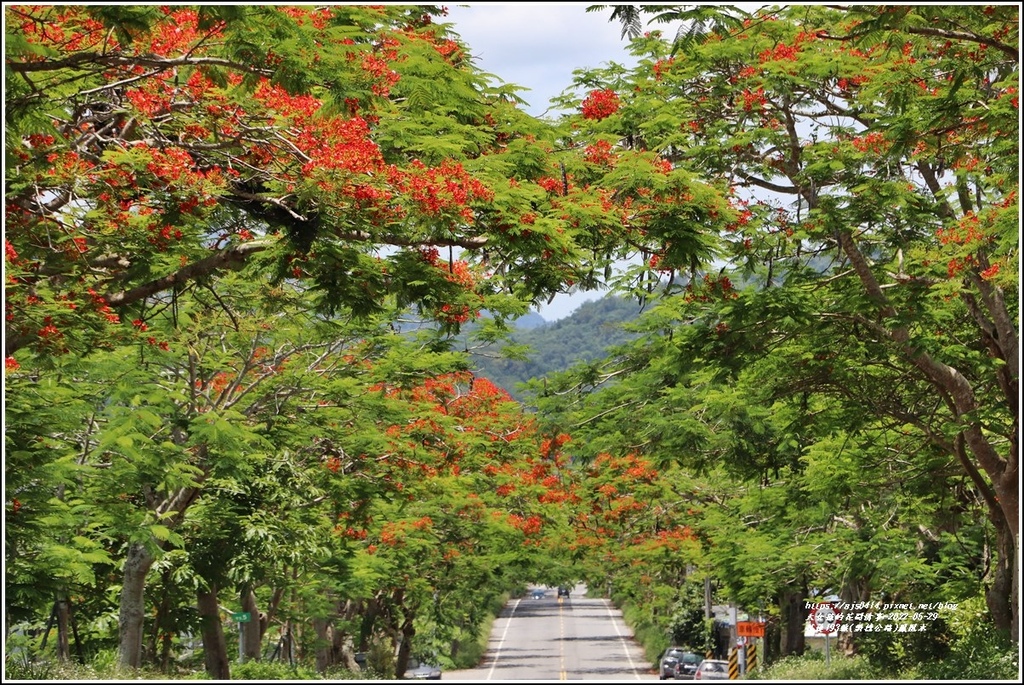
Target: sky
x=538 y=46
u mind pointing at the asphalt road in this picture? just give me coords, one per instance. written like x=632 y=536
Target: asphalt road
x=553 y=638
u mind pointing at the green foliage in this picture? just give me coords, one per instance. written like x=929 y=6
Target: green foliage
x=968 y=649
x=812 y=666
x=687 y=624
x=100 y=668
x=215 y=230
x=584 y=335
x=795 y=413
x=272 y=670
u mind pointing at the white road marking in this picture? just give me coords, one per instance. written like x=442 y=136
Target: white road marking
x=501 y=642
x=562 y=674
x=625 y=645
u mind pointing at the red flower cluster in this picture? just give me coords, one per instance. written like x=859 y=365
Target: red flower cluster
x=600 y=153
x=530 y=525
x=753 y=99
x=872 y=142
x=600 y=104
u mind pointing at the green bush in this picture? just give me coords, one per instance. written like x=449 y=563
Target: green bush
x=976 y=651
x=17 y=668
x=341 y=673
x=271 y=670
x=471 y=650
x=652 y=637
x=812 y=666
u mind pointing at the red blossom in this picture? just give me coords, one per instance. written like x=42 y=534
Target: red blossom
x=600 y=153
x=600 y=104
x=991 y=272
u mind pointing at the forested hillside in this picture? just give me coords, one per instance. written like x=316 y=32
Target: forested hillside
x=584 y=335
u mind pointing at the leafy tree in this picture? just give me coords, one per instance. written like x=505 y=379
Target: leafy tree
x=870 y=153
x=151 y=152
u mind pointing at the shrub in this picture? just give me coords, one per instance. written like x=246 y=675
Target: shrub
x=812 y=666
x=976 y=651
x=271 y=670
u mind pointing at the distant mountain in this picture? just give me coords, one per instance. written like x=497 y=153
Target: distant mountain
x=582 y=336
x=529 y=321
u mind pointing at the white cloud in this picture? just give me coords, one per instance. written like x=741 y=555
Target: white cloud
x=538 y=45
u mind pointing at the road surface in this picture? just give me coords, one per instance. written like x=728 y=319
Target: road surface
x=560 y=638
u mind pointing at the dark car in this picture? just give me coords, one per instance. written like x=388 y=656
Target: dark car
x=676 y=662
x=418 y=670
x=687 y=666
x=538 y=594
x=563 y=591
x=712 y=669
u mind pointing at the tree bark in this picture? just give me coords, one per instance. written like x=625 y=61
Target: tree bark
x=131 y=617
x=324 y=644
x=999 y=596
x=63 y=622
x=370 y=614
x=252 y=634
x=215 y=649
x=794 y=620
x=772 y=642
x=856 y=589
x=405 y=648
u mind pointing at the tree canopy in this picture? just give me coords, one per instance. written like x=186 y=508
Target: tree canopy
x=241 y=242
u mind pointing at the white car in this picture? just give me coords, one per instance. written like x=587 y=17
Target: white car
x=418 y=670
x=712 y=669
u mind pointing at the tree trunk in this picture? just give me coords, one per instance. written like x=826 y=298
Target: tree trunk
x=999 y=596
x=63 y=622
x=138 y=561
x=324 y=644
x=405 y=648
x=794 y=620
x=1009 y=548
x=772 y=643
x=215 y=648
x=131 y=618
x=370 y=614
x=252 y=633
x=856 y=589
x=958 y=392
x=165 y=652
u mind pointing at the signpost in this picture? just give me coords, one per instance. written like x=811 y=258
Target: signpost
x=750 y=629
x=241 y=618
x=825 y=619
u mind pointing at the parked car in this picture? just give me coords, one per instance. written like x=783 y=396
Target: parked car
x=419 y=670
x=678 y=663
x=686 y=668
x=563 y=591
x=712 y=669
